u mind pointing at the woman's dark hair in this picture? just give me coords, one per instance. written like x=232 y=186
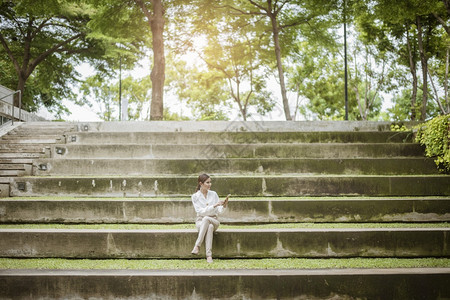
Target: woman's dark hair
x=201 y=179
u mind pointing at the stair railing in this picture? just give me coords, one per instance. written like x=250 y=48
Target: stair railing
x=12 y=104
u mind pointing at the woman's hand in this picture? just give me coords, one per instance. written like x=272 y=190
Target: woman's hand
x=220 y=203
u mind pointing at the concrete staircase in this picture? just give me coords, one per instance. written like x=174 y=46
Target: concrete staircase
x=283 y=174
x=22 y=144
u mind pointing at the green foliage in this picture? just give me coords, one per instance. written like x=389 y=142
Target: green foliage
x=169 y=116
x=398 y=127
x=205 y=92
x=105 y=92
x=43 y=42
x=401 y=108
x=435 y=134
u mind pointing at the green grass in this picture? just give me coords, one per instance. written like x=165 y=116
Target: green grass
x=176 y=264
x=222 y=226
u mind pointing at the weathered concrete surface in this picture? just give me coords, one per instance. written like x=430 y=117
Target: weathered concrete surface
x=240 y=211
x=226 y=284
x=193 y=126
x=242 y=166
x=228 y=243
x=281 y=150
x=212 y=138
x=255 y=185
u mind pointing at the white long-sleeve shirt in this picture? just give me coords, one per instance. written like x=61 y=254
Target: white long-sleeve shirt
x=205 y=206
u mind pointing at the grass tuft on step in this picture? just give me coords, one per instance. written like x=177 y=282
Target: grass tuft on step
x=224 y=226
x=226 y=264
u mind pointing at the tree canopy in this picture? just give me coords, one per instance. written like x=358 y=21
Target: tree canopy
x=221 y=58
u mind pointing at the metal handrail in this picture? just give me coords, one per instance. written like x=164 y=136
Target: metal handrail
x=20 y=104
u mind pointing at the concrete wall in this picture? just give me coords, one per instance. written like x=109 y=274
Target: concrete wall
x=228 y=243
x=257 y=210
x=255 y=185
x=237 y=126
x=226 y=284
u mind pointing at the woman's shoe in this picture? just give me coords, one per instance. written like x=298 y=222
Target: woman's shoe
x=209 y=259
x=195 y=250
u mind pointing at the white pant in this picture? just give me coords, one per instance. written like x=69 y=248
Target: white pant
x=206 y=227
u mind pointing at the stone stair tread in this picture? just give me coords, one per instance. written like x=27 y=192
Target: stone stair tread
x=189 y=226
x=35 y=136
x=256 y=184
x=285 y=150
x=4 y=180
x=21 y=148
x=32 y=141
x=224 y=272
x=237 y=137
x=260 y=243
x=235 y=198
x=148 y=166
x=411 y=283
x=16 y=160
x=235 y=126
x=9 y=173
x=241 y=211
x=227 y=230
x=12 y=166
x=19 y=155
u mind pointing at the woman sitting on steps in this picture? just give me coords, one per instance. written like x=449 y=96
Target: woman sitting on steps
x=207 y=206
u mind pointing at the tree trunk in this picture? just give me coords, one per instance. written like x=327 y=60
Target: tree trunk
x=276 y=41
x=424 y=62
x=20 y=87
x=158 y=72
x=412 y=68
x=446 y=81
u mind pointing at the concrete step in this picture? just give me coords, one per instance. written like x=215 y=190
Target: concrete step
x=255 y=185
x=241 y=166
x=32 y=137
x=20 y=148
x=5 y=180
x=49 y=132
x=428 y=283
x=46 y=126
x=281 y=150
x=11 y=173
x=16 y=161
x=228 y=243
x=32 y=140
x=212 y=138
x=20 y=167
x=15 y=155
x=240 y=211
x=14 y=170
x=236 y=126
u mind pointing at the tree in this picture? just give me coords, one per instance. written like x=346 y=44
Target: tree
x=155 y=18
x=42 y=42
x=105 y=92
x=233 y=53
x=204 y=91
x=102 y=93
x=416 y=24
x=285 y=17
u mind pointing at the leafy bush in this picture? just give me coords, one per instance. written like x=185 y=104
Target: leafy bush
x=434 y=134
x=398 y=127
